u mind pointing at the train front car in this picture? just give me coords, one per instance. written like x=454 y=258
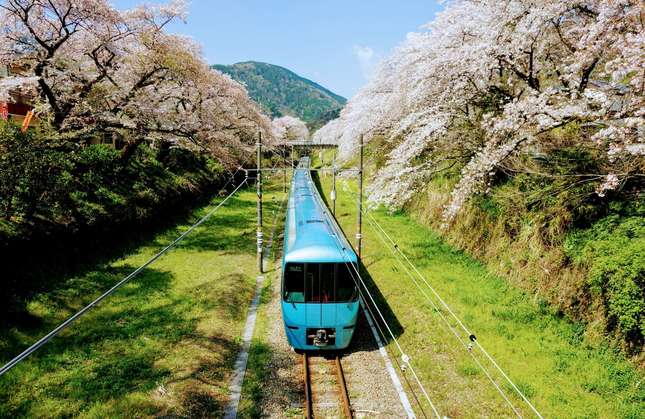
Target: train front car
x=319 y=295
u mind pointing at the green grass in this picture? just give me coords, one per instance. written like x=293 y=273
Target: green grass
x=260 y=352
x=545 y=355
x=164 y=344
x=613 y=249
x=257 y=371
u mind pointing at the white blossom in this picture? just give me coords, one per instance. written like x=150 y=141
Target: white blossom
x=289 y=128
x=100 y=70
x=547 y=64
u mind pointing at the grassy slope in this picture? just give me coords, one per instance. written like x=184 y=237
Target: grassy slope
x=163 y=344
x=544 y=354
x=260 y=352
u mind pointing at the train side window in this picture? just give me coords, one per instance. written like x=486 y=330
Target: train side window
x=294 y=283
x=345 y=285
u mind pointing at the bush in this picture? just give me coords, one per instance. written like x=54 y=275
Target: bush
x=32 y=175
x=63 y=204
x=44 y=181
x=613 y=250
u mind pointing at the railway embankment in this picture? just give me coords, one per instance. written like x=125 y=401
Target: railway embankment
x=541 y=351
x=65 y=208
x=162 y=345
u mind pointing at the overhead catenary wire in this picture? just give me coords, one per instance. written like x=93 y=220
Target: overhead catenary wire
x=404 y=356
x=360 y=281
x=274 y=169
x=449 y=326
x=42 y=341
x=396 y=359
x=471 y=336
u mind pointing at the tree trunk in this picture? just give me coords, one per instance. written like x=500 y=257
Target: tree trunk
x=129 y=150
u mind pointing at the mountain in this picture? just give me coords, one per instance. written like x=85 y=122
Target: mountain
x=282 y=92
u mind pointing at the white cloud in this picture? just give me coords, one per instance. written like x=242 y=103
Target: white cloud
x=366 y=59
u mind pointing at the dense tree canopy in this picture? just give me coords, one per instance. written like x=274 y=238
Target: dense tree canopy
x=289 y=128
x=98 y=71
x=490 y=82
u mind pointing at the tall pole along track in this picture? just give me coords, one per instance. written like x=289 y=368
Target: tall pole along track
x=359 y=235
x=333 y=183
x=258 y=185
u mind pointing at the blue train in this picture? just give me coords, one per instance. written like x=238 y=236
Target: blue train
x=319 y=295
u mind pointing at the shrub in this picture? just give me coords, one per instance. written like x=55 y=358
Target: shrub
x=47 y=181
x=613 y=249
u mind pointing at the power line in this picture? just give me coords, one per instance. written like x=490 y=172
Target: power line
x=404 y=356
x=42 y=341
x=471 y=336
x=443 y=317
x=406 y=359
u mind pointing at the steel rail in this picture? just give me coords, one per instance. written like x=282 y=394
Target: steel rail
x=307 y=377
x=342 y=387
x=351 y=266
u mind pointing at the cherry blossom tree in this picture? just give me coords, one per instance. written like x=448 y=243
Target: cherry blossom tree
x=488 y=81
x=103 y=72
x=289 y=128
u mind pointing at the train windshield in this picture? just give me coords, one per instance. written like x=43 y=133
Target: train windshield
x=319 y=283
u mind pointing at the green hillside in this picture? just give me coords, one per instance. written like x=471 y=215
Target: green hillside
x=282 y=92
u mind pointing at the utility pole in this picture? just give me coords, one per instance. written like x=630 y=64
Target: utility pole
x=284 y=172
x=258 y=185
x=359 y=236
x=333 y=184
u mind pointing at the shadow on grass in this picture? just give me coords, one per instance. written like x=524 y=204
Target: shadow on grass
x=383 y=307
x=238 y=224
x=115 y=351
x=123 y=347
x=42 y=264
x=223 y=292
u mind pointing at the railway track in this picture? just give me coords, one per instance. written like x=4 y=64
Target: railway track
x=321 y=400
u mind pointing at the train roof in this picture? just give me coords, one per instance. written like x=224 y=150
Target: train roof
x=311 y=232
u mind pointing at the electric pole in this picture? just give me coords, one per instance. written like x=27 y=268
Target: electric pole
x=359 y=236
x=333 y=184
x=258 y=185
x=284 y=172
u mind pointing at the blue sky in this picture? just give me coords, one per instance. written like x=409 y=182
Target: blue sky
x=335 y=43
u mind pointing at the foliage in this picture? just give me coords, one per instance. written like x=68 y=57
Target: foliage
x=43 y=181
x=281 y=92
x=564 y=242
x=488 y=82
x=94 y=71
x=613 y=249
x=32 y=174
